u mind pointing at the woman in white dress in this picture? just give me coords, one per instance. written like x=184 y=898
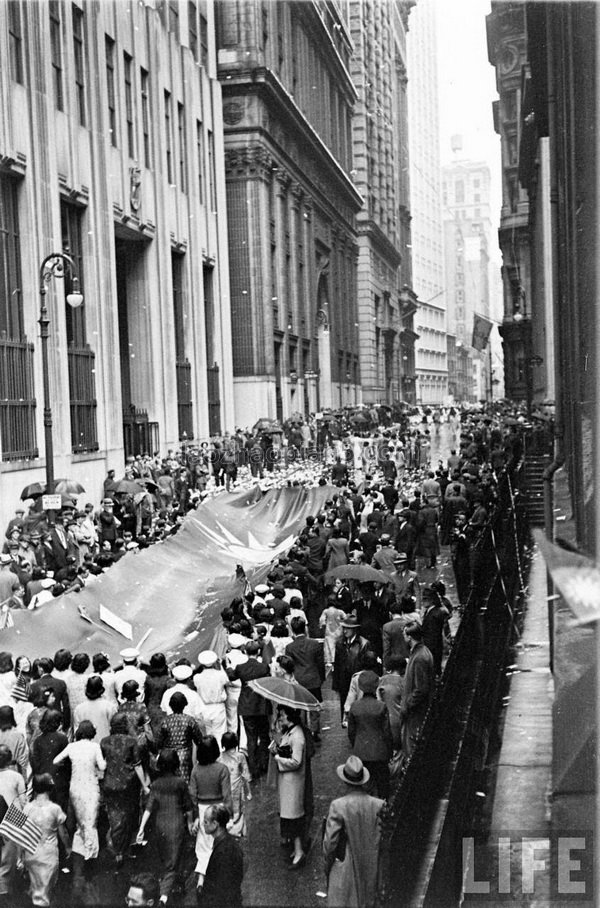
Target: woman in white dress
x=87 y=768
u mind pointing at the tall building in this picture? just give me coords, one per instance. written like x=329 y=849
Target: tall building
x=110 y=151
x=386 y=303
x=288 y=99
x=507 y=50
x=429 y=280
x=467 y=231
x=545 y=55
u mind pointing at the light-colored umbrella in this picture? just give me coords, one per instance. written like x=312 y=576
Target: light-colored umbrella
x=286 y=693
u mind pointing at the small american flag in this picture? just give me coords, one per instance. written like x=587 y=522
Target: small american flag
x=17 y=827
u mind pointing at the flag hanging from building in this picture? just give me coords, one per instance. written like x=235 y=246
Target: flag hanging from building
x=576 y=576
x=17 y=827
x=481 y=332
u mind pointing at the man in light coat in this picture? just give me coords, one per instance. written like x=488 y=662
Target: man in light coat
x=351 y=841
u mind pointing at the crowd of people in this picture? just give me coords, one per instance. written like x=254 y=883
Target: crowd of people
x=105 y=760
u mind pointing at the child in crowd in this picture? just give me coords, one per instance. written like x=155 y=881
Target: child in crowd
x=236 y=763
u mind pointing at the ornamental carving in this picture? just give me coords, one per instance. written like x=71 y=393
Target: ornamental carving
x=135 y=180
x=233 y=112
x=251 y=161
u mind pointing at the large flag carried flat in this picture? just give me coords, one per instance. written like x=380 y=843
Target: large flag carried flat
x=481 y=332
x=17 y=827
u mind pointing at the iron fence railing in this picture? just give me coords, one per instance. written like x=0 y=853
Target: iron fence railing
x=435 y=796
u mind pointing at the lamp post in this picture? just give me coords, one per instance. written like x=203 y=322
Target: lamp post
x=53 y=266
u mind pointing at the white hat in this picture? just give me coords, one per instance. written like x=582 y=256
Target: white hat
x=182 y=672
x=5 y=559
x=237 y=640
x=262 y=588
x=47 y=583
x=207 y=658
x=130 y=654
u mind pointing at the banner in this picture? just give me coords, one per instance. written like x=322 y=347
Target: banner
x=170 y=595
x=481 y=332
x=576 y=576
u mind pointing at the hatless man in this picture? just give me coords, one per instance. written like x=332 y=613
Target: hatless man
x=222 y=883
x=253 y=709
x=309 y=666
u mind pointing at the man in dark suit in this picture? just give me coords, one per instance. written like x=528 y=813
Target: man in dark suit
x=61 y=544
x=394 y=641
x=223 y=879
x=419 y=688
x=406 y=536
x=253 y=709
x=348 y=659
x=309 y=666
x=47 y=681
x=372 y=612
x=370 y=733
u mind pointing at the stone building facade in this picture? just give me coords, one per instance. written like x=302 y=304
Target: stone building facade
x=380 y=142
x=111 y=150
x=288 y=99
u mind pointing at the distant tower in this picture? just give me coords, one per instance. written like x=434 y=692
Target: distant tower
x=426 y=209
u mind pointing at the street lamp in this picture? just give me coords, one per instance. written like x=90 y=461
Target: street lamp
x=53 y=266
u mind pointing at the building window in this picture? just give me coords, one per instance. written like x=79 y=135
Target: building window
x=56 y=53
x=459 y=192
x=80 y=358
x=128 y=72
x=200 y=161
x=11 y=309
x=15 y=38
x=168 y=137
x=203 y=25
x=193 y=28
x=211 y=172
x=174 y=17
x=109 y=46
x=182 y=148
x=145 y=92
x=70 y=220
x=79 y=62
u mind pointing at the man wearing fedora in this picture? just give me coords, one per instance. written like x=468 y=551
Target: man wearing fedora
x=404 y=581
x=419 y=688
x=351 y=840
x=348 y=659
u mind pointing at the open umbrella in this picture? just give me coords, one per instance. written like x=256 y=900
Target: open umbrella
x=129 y=487
x=33 y=490
x=67 y=487
x=286 y=693
x=267 y=425
x=364 y=573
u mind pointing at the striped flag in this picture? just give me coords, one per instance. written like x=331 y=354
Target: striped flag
x=17 y=827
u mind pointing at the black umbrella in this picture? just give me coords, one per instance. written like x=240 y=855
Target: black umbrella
x=33 y=490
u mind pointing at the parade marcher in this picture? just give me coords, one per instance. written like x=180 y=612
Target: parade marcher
x=171 y=808
x=294 y=783
x=130 y=671
x=370 y=734
x=239 y=776
x=309 y=667
x=209 y=784
x=178 y=732
x=223 y=879
x=351 y=841
x=404 y=582
x=211 y=684
x=42 y=864
x=121 y=784
x=253 y=709
x=331 y=620
x=349 y=652
x=419 y=686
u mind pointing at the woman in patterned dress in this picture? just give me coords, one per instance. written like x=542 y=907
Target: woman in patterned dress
x=42 y=864
x=179 y=732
